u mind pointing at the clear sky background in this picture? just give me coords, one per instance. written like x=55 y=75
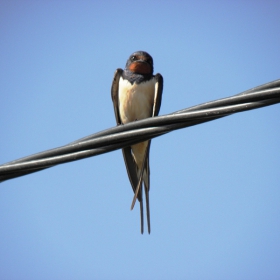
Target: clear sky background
x=215 y=187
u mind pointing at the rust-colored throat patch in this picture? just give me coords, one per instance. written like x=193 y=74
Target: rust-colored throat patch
x=140 y=67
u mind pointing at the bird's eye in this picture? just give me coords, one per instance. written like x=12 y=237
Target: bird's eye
x=133 y=58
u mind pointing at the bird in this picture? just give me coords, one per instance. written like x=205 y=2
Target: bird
x=136 y=94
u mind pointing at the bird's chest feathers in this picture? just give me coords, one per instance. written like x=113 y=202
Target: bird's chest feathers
x=136 y=101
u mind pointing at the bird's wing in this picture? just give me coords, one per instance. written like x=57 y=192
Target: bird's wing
x=158 y=94
x=129 y=161
x=127 y=155
x=114 y=94
x=156 y=108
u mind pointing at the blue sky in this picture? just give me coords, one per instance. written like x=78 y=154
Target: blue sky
x=215 y=187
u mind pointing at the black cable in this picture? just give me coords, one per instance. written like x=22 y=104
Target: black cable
x=132 y=133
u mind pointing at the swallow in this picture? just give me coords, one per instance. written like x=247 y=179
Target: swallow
x=136 y=95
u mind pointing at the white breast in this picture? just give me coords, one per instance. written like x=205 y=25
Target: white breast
x=136 y=101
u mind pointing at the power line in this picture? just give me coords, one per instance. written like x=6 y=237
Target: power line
x=132 y=133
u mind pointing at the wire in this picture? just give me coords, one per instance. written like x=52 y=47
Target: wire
x=132 y=133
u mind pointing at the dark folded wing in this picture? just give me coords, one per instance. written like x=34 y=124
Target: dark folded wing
x=158 y=94
x=127 y=155
x=114 y=94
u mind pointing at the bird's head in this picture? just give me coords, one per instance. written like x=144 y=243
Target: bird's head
x=140 y=62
